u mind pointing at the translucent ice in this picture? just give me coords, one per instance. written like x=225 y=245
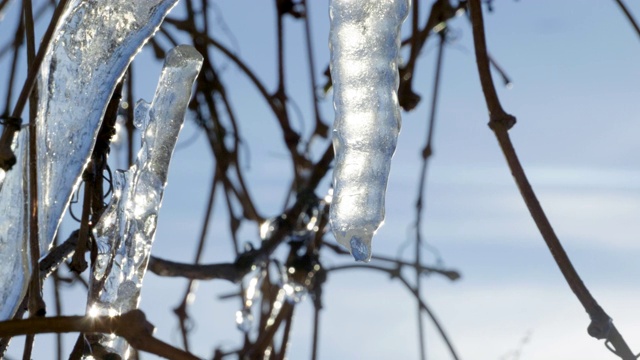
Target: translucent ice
x=125 y=232
x=93 y=45
x=244 y=317
x=244 y=320
x=14 y=230
x=294 y=291
x=364 y=43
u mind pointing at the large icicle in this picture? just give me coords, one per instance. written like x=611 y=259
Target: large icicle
x=93 y=45
x=125 y=232
x=14 y=230
x=364 y=43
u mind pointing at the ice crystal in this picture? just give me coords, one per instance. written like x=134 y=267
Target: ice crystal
x=125 y=232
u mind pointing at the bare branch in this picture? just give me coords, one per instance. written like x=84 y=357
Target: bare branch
x=395 y=273
x=626 y=12
x=500 y=122
x=133 y=326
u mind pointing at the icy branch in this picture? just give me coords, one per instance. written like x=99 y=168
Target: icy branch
x=92 y=47
x=125 y=232
x=364 y=43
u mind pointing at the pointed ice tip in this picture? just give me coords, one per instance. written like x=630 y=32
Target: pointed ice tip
x=181 y=55
x=360 y=250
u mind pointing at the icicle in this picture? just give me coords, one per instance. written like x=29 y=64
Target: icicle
x=14 y=229
x=364 y=44
x=94 y=44
x=125 y=232
x=92 y=47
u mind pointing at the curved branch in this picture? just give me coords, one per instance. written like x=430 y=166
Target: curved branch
x=601 y=326
x=395 y=273
x=452 y=275
x=235 y=59
x=223 y=271
x=626 y=12
x=244 y=263
x=133 y=326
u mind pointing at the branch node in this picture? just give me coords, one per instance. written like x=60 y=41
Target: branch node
x=600 y=326
x=502 y=122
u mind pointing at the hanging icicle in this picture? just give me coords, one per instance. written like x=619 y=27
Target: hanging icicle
x=364 y=44
x=124 y=234
x=93 y=46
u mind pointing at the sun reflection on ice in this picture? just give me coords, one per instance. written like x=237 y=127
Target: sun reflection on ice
x=93 y=311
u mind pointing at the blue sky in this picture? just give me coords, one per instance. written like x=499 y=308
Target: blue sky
x=575 y=93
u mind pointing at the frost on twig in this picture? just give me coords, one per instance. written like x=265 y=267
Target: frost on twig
x=93 y=44
x=125 y=232
x=364 y=43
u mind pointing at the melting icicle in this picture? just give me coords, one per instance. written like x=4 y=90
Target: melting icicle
x=364 y=44
x=125 y=232
x=93 y=45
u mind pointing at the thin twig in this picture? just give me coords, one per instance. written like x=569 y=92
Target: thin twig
x=452 y=275
x=16 y=44
x=47 y=266
x=441 y=11
x=36 y=303
x=420 y=202
x=626 y=12
x=266 y=336
x=29 y=83
x=395 y=273
x=321 y=128
x=316 y=332
x=57 y=304
x=181 y=310
x=601 y=326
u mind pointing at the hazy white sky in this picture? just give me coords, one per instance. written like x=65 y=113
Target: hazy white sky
x=575 y=72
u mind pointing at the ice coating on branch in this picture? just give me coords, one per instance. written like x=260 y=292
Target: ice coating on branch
x=364 y=43
x=125 y=232
x=14 y=230
x=91 y=48
x=252 y=284
x=94 y=43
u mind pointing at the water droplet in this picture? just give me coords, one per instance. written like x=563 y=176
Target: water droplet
x=244 y=320
x=294 y=292
x=141 y=114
